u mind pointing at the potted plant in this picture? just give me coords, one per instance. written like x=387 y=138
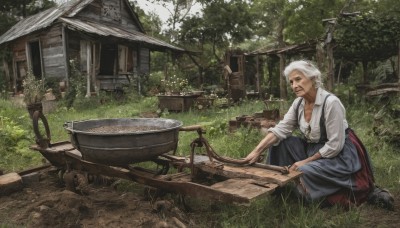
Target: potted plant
x=175 y=85
x=33 y=93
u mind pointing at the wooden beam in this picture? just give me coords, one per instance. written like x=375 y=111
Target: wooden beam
x=65 y=51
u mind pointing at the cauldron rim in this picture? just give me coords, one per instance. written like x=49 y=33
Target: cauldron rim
x=69 y=126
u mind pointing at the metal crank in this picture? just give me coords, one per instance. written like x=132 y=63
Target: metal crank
x=200 y=141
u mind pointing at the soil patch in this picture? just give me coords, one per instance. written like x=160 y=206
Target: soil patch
x=47 y=204
x=373 y=216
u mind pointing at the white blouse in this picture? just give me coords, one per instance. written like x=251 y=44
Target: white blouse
x=335 y=123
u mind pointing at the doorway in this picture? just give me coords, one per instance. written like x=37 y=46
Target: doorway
x=107 y=58
x=36 y=59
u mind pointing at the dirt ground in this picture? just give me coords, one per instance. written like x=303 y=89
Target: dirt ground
x=47 y=203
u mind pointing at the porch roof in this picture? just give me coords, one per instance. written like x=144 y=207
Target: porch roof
x=41 y=20
x=66 y=13
x=105 y=30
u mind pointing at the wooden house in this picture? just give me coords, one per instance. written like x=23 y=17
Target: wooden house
x=105 y=38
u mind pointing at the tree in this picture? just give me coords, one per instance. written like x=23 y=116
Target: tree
x=178 y=12
x=151 y=22
x=222 y=24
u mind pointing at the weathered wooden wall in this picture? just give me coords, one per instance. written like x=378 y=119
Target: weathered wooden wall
x=52 y=52
x=59 y=45
x=144 y=61
x=109 y=11
x=74 y=46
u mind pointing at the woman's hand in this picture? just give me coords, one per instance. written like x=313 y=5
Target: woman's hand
x=298 y=164
x=266 y=142
x=253 y=156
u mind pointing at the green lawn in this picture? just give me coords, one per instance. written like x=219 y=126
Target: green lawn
x=16 y=136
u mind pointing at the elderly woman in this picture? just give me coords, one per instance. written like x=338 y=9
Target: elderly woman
x=325 y=154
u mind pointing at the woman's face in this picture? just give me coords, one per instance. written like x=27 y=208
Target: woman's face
x=301 y=85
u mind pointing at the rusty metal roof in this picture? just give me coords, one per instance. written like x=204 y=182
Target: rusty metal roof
x=105 y=30
x=308 y=46
x=65 y=14
x=40 y=20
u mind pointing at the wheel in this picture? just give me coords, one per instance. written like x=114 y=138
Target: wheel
x=40 y=140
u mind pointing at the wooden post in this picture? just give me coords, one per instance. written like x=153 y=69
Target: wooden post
x=258 y=75
x=7 y=73
x=330 y=67
x=93 y=68
x=88 y=68
x=65 y=50
x=15 y=74
x=282 y=80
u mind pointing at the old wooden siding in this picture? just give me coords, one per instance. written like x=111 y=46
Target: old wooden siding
x=19 y=50
x=144 y=61
x=110 y=11
x=52 y=52
x=126 y=18
x=74 y=46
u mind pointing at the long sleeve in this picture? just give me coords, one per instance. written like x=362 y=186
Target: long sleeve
x=286 y=126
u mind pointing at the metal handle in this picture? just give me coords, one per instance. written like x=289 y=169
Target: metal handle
x=191 y=128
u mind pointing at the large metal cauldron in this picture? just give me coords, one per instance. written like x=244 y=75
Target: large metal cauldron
x=150 y=138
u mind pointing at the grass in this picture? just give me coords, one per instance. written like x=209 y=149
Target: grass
x=282 y=211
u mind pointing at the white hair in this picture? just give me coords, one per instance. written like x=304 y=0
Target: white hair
x=307 y=68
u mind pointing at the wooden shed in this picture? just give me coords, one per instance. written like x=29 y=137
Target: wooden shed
x=242 y=75
x=104 y=37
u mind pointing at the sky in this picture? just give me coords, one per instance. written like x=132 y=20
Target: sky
x=161 y=11
x=148 y=7
x=158 y=9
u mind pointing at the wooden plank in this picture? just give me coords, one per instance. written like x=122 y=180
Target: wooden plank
x=74 y=153
x=56 y=147
x=231 y=171
x=184 y=177
x=382 y=91
x=9 y=183
x=247 y=188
